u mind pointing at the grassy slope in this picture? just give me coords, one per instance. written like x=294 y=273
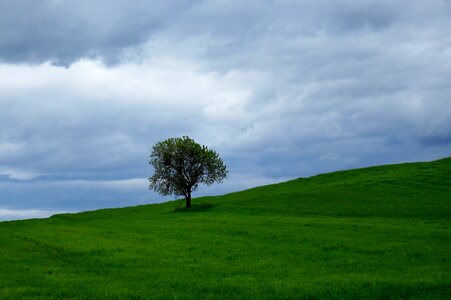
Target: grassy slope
x=381 y=232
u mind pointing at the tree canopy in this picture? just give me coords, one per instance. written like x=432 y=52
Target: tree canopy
x=181 y=165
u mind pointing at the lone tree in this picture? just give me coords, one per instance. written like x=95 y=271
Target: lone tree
x=181 y=165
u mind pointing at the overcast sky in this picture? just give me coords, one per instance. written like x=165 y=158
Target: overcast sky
x=280 y=89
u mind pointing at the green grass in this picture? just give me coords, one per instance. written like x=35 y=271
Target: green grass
x=375 y=233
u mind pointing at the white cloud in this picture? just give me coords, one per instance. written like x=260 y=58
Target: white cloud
x=18 y=174
x=119 y=184
x=54 y=119
x=17 y=214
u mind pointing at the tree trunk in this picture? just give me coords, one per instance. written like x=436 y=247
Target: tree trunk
x=188 y=200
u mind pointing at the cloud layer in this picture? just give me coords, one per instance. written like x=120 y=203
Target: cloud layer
x=280 y=89
x=9 y=214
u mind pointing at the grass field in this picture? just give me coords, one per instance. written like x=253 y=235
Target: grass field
x=375 y=233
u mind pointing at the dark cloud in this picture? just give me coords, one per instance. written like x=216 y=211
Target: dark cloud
x=65 y=31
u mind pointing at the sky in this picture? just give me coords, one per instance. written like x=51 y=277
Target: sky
x=280 y=89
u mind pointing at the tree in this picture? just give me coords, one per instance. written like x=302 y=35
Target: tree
x=181 y=165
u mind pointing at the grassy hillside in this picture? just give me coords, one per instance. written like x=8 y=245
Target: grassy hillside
x=377 y=233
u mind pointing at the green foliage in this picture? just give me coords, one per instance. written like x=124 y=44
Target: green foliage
x=181 y=165
x=375 y=233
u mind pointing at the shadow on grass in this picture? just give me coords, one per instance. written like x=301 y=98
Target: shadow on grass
x=194 y=208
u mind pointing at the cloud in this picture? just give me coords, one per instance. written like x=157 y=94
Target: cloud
x=230 y=32
x=89 y=117
x=66 y=31
x=14 y=214
x=17 y=173
x=121 y=184
x=65 y=195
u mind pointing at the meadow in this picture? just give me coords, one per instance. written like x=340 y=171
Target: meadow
x=374 y=233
